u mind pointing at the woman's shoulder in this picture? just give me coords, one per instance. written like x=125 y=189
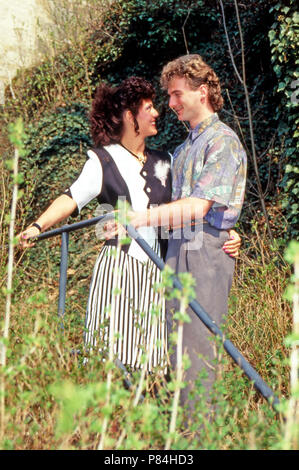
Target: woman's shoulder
x=99 y=151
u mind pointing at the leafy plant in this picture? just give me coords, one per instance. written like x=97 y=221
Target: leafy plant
x=282 y=35
x=56 y=149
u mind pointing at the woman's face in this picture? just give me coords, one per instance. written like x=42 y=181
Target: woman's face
x=146 y=118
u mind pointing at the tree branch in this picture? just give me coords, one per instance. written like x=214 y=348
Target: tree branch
x=228 y=43
x=248 y=105
x=183 y=29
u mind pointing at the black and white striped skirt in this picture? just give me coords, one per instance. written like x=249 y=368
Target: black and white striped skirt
x=123 y=299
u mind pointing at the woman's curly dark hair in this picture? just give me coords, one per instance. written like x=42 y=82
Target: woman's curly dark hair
x=106 y=116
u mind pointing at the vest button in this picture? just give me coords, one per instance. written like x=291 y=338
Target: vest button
x=144 y=173
x=148 y=190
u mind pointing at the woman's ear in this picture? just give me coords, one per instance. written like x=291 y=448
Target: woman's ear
x=128 y=117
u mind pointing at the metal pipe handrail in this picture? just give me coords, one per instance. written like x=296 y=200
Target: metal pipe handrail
x=75 y=226
x=258 y=383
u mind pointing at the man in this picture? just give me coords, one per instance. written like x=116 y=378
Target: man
x=209 y=174
x=211 y=167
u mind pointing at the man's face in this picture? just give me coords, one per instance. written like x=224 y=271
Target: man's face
x=186 y=103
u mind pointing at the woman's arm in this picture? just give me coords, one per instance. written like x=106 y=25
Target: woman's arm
x=232 y=246
x=86 y=187
x=60 y=209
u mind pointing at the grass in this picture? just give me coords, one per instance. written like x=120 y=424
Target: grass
x=54 y=402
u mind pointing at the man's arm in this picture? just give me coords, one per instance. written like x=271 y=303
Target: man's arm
x=173 y=214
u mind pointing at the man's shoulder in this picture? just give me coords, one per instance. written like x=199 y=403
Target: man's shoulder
x=224 y=137
x=178 y=149
x=223 y=130
x=223 y=142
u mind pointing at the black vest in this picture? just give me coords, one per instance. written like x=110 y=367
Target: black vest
x=114 y=186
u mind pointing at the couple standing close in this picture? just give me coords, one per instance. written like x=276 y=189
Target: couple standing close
x=204 y=181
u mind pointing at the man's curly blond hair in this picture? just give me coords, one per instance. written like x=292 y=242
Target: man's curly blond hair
x=196 y=72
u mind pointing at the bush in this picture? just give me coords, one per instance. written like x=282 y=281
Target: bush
x=282 y=36
x=56 y=148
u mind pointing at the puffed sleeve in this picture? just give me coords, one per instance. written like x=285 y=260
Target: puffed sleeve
x=88 y=185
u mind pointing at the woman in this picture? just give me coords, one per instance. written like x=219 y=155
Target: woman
x=121 y=166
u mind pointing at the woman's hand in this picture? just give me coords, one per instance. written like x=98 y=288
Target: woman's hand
x=26 y=238
x=113 y=229
x=232 y=246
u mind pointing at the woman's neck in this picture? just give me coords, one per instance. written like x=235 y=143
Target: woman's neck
x=135 y=145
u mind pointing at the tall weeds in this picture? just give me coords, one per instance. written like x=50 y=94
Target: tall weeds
x=113 y=315
x=53 y=401
x=291 y=429
x=16 y=137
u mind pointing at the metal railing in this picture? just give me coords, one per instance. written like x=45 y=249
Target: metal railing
x=258 y=383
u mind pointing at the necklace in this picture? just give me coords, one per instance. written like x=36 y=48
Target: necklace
x=141 y=159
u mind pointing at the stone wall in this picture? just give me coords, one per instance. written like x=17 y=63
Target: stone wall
x=22 y=25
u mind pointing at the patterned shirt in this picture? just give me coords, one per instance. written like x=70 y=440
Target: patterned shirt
x=211 y=164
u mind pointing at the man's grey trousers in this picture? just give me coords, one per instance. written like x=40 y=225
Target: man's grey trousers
x=212 y=269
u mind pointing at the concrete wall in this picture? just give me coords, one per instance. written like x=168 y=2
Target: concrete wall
x=22 y=23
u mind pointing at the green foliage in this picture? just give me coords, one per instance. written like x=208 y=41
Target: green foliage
x=58 y=81
x=283 y=38
x=292 y=256
x=17 y=136
x=154 y=30
x=56 y=148
x=292 y=252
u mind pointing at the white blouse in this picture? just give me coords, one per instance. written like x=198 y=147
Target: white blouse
x=90 y=182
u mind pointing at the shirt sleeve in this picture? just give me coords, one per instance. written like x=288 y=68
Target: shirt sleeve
x=217 y=177
x=89 y=183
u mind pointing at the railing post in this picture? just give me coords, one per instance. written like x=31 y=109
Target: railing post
x=63 y=274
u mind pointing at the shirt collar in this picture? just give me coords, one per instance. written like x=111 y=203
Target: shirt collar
x=202 y=126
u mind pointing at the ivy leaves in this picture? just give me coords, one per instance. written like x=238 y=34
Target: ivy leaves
x=283 y=38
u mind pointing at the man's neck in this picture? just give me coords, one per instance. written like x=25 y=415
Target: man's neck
x=205 y=110
x=205 y=114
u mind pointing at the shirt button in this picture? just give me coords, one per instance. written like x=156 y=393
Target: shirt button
x=144 y=173
x=148 y=190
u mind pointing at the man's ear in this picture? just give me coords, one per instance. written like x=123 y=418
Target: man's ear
x=204 y=90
